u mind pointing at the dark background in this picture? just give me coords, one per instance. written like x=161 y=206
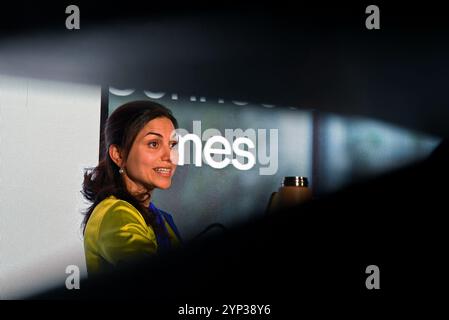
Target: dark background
x=288 y=53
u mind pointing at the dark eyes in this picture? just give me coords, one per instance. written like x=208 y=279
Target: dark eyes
x=173 y=145
x=156 y=144
x=153 y=144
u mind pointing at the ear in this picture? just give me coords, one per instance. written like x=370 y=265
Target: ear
x=116 y=155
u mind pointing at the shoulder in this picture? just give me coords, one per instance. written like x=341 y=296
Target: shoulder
x=116 y=211
x=117 y=232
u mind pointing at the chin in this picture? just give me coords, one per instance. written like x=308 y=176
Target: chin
x=164 y=185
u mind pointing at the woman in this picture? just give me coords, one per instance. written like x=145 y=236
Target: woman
x=122 y=224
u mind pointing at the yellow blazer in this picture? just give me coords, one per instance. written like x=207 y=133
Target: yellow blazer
x=115 y=233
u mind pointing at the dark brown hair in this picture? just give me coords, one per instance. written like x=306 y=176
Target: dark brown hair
x=121 y=129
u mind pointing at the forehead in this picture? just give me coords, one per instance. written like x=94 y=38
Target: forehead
x=161 y=125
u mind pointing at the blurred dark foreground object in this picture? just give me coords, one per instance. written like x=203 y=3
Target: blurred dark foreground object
x=309 y=55
x=312 y=258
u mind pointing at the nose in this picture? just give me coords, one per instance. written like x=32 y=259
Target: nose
x=166 y=153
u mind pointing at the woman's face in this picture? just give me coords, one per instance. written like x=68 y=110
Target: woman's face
x=149 y=164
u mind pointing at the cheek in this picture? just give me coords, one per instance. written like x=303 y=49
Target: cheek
x=143 y=162
x=148 y=158
x=174 y=157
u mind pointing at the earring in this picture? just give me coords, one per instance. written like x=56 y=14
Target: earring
x=121 y=171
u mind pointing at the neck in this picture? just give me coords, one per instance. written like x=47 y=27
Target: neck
x=146 y=201
x=141 y=193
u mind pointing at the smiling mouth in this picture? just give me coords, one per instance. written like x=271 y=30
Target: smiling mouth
x=165 y=172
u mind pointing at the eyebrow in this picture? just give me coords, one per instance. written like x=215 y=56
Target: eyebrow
x=152 y=132
x=175 y=138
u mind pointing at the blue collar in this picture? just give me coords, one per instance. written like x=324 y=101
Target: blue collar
x=163 y=240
